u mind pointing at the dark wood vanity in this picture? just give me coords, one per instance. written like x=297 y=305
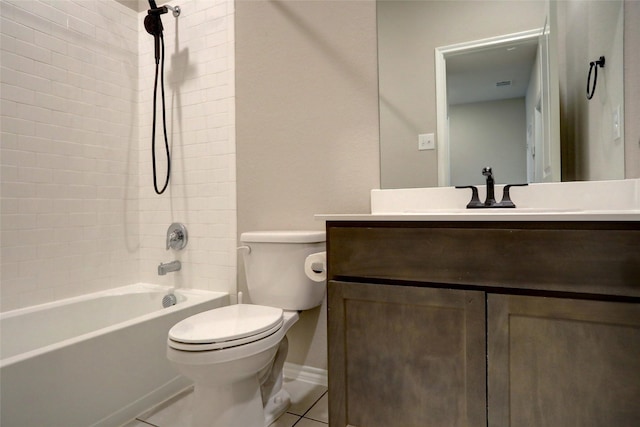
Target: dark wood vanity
x=474 y=323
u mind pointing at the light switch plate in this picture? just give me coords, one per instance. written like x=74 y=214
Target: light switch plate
x=426 y=141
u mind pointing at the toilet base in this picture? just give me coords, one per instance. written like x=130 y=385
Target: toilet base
x=230 y=405
x=236 y=405
x=276 y=406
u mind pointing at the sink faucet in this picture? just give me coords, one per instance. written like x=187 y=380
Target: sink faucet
x=491 y=198
x=169 y=267
x=490 y=201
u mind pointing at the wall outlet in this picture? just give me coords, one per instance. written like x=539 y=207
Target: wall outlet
x=426 y=141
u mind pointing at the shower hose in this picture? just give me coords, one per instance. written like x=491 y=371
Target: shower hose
x=160 y=68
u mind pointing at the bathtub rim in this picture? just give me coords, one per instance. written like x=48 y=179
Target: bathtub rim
x=136 y=288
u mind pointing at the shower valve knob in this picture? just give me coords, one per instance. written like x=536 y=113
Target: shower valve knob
x=177 y=236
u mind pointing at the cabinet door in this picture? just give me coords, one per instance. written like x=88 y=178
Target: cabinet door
x=406 y=356
x=563 y=362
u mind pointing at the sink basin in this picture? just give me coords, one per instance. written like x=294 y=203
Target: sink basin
x=544 y=199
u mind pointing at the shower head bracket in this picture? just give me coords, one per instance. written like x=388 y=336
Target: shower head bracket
x=174 y=9
x=157 y=11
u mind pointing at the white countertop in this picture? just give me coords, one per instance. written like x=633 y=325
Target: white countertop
x=489 y=215
x=567 y=201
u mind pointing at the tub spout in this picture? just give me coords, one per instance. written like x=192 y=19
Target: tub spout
x=169 y=267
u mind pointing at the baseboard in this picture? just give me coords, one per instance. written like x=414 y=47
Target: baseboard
x=307 y=374
x=150 y=400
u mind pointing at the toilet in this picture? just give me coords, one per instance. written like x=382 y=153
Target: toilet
x=235 y=354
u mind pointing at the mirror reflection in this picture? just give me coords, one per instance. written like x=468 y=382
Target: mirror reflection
x=497 y=109
x=494 y=101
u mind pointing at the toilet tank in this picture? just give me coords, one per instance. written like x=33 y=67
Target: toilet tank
x=274 y=267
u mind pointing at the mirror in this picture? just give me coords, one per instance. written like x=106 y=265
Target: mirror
x=494 y=107
x=413 y=36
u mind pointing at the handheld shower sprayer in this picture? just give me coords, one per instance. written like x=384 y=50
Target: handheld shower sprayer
x=153 y=25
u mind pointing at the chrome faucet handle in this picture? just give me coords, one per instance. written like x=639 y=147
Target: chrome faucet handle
x=173 y=237
x=177 y=236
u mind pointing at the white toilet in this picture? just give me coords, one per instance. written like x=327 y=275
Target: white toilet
x=235 y=354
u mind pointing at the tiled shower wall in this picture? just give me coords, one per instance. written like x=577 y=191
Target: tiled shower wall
x=199 y=74
x=69 y=148
x=78 y=209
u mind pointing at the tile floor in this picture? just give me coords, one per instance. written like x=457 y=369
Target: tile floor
x=309 y=408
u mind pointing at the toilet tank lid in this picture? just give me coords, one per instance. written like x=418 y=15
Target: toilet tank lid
x=283 y=237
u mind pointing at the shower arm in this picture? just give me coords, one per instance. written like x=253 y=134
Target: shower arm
x=164 y=9
x=174 y=9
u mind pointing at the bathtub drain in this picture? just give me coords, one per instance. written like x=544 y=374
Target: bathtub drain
x=169 y=300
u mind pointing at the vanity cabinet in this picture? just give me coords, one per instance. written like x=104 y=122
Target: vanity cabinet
x=406 y=356
x=483 y=323
x=562 y=362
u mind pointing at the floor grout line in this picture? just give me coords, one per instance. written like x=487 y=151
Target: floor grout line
x=310 y=408
x=146 y=422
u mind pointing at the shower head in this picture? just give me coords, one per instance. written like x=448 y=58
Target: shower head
x=153 y=25
x=152 y=22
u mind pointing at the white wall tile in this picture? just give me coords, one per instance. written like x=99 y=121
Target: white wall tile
x=47 y=56
x=78 y=208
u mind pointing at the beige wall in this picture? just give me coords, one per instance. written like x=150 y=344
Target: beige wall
x=307 y=125
x=488 y=133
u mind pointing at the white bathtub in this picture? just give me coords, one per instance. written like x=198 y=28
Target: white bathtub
x=93 y=360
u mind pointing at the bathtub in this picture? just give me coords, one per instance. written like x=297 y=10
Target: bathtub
x=94 y=360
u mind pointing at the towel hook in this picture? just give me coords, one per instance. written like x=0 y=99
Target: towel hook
x=593 y=65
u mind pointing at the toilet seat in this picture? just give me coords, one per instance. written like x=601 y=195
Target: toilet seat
x=225 y=327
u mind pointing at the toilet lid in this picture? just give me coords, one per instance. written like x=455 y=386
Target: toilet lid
x=227 y=326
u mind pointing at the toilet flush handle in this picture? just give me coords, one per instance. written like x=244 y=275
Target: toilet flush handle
x=245 y=248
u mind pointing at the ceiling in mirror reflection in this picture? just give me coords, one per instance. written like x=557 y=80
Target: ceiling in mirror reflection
x=491 y=74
